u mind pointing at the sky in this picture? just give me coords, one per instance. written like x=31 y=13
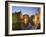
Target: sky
x=25 y=10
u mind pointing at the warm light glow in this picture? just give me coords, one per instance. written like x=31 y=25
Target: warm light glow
x=21 y=16
x=25 y=20
x=36 y=19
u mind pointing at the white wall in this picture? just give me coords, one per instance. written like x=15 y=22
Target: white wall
x=2 y=17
